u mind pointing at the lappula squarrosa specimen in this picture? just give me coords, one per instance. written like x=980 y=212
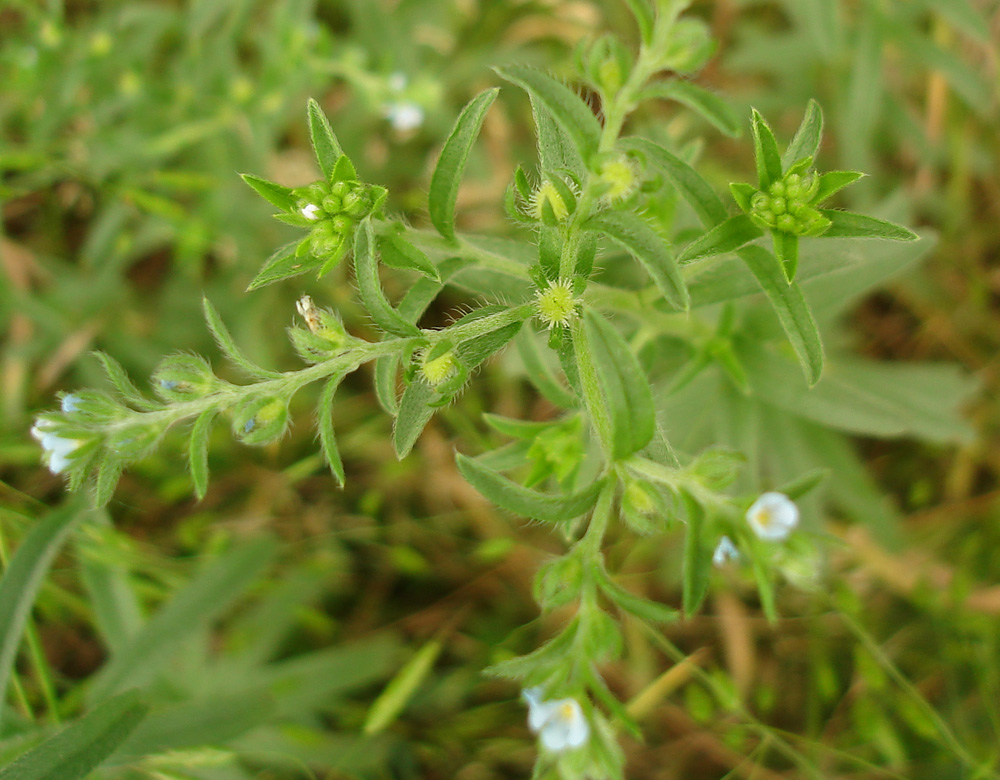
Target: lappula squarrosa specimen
x=606 y=457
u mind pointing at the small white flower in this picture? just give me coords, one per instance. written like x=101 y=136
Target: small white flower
x=404 y=116
x=70 y=403
x=560 y=724
x=773 y=516
x=397 y=82
x=725 y=551
x=55 y=449
x=310 y=211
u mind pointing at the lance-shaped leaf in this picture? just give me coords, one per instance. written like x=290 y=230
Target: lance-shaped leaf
x=275 y=194
x=397 y=252
x=728 y=236
x=415 y=411
x=644 y=18
x=370 y=288
x=524 y=501
x=228 y=345
x=198 y=451
x=765 y=151
x=567 y=108
x=648 y=247
x=324 y=422
x=689 y=183
x=451 y=164
x=624 y=385
x=806 y=141
x=833 y=182
x=284 y=264
x=712 y=107
x=397 y=694
x=77 y=750
x=846 y=224
x=324 y=142
x=124 y=385
x=697 y=557
x=790 y=305
x=23 y=577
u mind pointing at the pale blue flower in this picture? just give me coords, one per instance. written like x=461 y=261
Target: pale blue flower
x=310 y=211
x=725 y=551
x=55 y=449
x=560 y=724
x=773 y=516
x=70 y=403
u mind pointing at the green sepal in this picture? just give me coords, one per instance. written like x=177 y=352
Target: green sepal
x=198 y=451
x=697 y=557
x=324 y=424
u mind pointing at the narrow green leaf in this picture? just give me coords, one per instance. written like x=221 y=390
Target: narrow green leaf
x=108 y=473
x=397 y=252
x=644 y=18
x=697 y=558
x=833 y=182
x=624 y=385
x=786 y=247
x=963 y=15
x=23 y=577
x=556 y=149
x=451 y=164
x=689 y=183
x=637 y=605
x=640 y=240
x=742 y=193
x=125 y=387
x=790 y=306
x=475 y=351
x=324 y=142
x=704 y=102
x=228 y=346
x=370 y=288
x=805 y=484
x=726 y=237
x=198 y=451
x=278 y=196
x=572 y=114
x=415 y=412
x=765 y=151
x=539 y=373
x=765 y=584
x=195 y=604
x=807 y=138
x=846 y=224
x=523 y=501
x=109 y=591
x=81 y=747
x=387 y=706
x=324 y=422
x=284 y=263
x=212 y=719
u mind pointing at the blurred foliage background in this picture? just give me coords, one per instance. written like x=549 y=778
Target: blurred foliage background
x=264 y=620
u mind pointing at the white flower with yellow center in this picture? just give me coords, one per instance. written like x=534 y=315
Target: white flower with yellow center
x=773 y=516
x=559 y=724
x=310 y=211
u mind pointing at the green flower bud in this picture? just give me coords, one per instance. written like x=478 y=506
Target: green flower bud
x=183 y=377
x=340 y=188
x=260 y=420
x=435 y=369
x=787 y=224
x=134 y=441
x=332 y=204
x=777 y=189
x=778 y=206
x=760 y=201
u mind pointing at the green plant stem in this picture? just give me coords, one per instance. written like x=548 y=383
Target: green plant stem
x=589 y=383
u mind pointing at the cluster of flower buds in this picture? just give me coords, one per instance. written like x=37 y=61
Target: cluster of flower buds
x=789 y=205
x=333 y=209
